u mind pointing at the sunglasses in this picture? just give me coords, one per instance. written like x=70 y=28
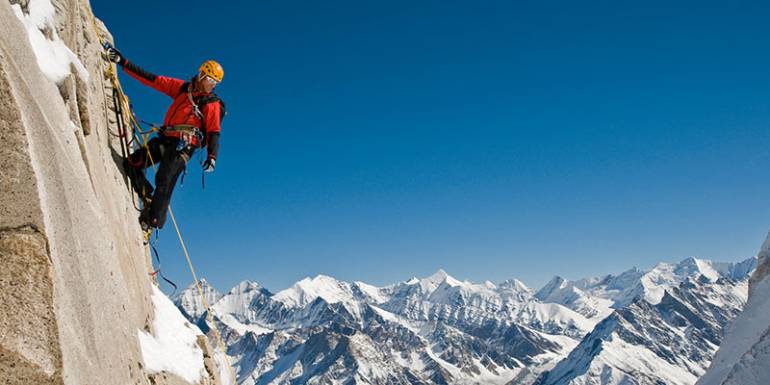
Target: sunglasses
x=208 y=79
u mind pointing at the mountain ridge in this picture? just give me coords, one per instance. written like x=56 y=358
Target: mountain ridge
x=439 y=329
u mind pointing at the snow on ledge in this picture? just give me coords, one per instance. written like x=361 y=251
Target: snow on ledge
x=174 y=348
x=53 y=56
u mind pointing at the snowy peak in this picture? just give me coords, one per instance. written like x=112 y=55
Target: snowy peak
x=554 y=286
x=192 y=291
x=190 y=301
x=596 y=297
x=692 y=266
x=566 y=293
x=205 y=285
x=431 y=283
x=664 y=276
x=371 y=293
x=514 y=291
x=622 y=282
x=687 y=268
x=514 y=284
x=239 y=299
x=309 y=289
x=245 y=286
x=452 y=292
x=736 y=270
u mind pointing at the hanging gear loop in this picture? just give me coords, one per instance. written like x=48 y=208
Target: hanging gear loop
x=158 y=271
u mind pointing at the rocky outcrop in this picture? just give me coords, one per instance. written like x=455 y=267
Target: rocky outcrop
x=74 y=283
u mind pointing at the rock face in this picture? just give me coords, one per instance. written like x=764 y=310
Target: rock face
x=744 y=356
x=74 y=283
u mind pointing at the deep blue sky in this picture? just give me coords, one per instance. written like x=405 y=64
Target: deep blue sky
x=378 y=141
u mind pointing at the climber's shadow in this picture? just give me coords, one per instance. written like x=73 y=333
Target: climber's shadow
x=121 y=162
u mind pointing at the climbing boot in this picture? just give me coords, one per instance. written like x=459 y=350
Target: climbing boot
x=144 y=217
x=146 y=201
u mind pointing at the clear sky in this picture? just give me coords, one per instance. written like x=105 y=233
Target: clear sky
x=380 y=140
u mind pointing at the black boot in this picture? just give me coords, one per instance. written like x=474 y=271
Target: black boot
x=144 y=217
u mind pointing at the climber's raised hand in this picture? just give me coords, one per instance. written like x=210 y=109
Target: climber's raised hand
x=113 y=54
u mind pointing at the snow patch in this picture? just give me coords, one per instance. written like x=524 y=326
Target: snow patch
x=555 y=313
x=242 y=328
x=53 y=56
x=173 y=348
x=225 y=374
x=617 y=353
x=390 y=317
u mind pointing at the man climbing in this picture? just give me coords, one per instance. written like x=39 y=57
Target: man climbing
x=192 y=121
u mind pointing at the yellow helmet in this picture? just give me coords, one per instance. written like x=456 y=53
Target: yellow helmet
x=212 y=69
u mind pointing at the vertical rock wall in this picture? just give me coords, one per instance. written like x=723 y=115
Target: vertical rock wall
x=74 y=283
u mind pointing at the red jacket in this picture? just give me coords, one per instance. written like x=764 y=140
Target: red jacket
x=181 y=110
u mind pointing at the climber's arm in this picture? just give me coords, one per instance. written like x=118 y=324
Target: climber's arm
x=212 y=113
x=164 y=84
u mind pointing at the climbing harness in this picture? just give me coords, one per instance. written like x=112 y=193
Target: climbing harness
x=120 y=99
x=187 y=134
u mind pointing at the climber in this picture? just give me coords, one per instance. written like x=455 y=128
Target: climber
x=192 y=121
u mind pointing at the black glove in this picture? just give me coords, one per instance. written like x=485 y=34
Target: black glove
x=113 y=54
x=209 y=164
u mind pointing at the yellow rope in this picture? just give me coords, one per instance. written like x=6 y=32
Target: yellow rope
x=133 y=123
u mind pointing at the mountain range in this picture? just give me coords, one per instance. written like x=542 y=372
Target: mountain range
x=660 y=326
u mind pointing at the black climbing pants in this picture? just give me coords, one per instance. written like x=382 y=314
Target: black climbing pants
x=170 y=164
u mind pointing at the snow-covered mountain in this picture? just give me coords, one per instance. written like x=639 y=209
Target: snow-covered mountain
x=441 y=330
x=668 y=342
x=597 y=297
x=189 y=299
x=744 y=355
